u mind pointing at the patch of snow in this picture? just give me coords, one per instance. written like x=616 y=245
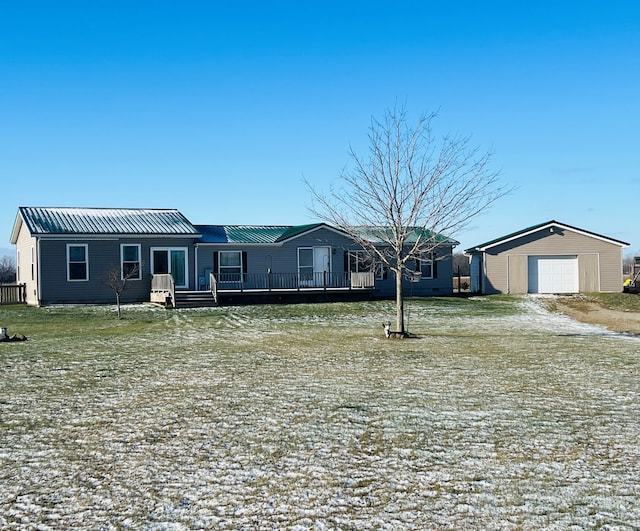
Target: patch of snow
x=232 y=419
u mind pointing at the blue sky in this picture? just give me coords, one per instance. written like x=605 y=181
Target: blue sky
x=220 y=109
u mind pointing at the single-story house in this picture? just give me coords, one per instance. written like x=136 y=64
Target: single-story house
x=64 y=255
x=551 y=257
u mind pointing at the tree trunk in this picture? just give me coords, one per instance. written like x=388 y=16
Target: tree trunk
x=118 y=305
x=399 y=303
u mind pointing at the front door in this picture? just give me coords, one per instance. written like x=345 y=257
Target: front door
x=171 y=261
x=321 y=265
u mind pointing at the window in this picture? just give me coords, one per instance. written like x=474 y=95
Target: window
x=33 y=263
x=18 y=266
x=173 y=261
x=425 y=265
x=230 y=266
x=130 y=262
x=77 y=262
x=362 y=262
x=305 y=265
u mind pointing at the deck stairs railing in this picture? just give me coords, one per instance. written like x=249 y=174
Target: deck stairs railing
x=163 y=290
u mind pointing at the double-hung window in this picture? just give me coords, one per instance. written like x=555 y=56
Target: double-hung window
x=230 y=266
x=305 y=265
x=364 y=262
x=130 y=262
x=77 y=262
x=425 y=265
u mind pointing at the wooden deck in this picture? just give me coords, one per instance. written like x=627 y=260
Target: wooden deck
x=292 y=287
x=267 y=288
x=323 y=294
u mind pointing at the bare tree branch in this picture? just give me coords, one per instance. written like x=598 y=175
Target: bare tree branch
x=410 y=190
x=117 y=280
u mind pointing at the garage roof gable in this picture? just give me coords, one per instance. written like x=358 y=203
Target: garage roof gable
x=542 y=226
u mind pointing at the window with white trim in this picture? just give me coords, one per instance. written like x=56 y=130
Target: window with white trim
x=33 y=263
x=77 y=262
x=230 y=266
x=363 y=262
x=130 y=267
x=425 y=265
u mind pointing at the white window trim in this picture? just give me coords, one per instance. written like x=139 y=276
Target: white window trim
x=186 y=261
x=86 y=262
x=430 y=260
x=298 y=256
x=221 y=268
x=378 y=267
x=122 y=246
x=18 y=266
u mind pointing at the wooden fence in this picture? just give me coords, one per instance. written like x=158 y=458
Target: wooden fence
x=13 y=293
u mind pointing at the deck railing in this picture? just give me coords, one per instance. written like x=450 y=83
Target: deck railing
x=13 y=293
x=363 y=280
x=291 y=281
x=163 y=289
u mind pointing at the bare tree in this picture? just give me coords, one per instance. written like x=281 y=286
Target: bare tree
x=627 y=263
x=7 y=269
x=117 y=280
x=409 y=190
x=461 y=264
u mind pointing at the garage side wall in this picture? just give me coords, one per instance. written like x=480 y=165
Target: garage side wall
x=600 y=262
x=26 y=264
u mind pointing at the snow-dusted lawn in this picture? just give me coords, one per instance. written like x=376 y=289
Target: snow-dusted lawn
x=500 y=416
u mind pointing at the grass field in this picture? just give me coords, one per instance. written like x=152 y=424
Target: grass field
x=500 y=415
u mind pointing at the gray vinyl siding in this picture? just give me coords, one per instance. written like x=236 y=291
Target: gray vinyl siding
x=605 y=272
x=102 y=255
x=279 y=258
x=283 y=258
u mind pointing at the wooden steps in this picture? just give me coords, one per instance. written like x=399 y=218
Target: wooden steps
x=194 y=299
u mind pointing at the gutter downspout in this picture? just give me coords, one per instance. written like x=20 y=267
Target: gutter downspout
x=483 y=273
x=38 y=290
x=196 y=278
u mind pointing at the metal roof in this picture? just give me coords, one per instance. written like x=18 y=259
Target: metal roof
x=98 y=221
x=261 y=234
x=251 y=234
x=534 y=228
x=297 y=230
x=381 y=235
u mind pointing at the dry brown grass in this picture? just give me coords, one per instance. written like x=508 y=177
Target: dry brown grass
x=609 y=312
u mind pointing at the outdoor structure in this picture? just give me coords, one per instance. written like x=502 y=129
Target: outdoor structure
x=551 y=257
x=64 y=255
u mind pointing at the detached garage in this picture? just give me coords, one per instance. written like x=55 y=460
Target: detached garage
x=548 y=258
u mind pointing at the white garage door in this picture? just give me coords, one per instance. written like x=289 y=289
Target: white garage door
x=553 y=274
